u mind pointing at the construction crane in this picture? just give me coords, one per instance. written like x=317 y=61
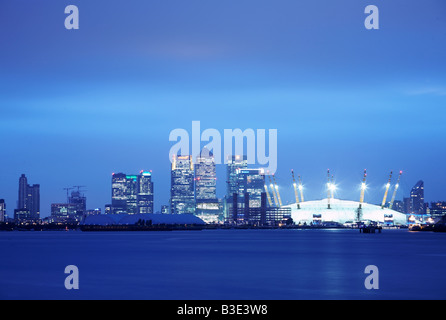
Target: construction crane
x=277 y=190
x=363 y=187
x=276 y=202
x=79 y=187
x=268 y=196
x=295 y=190
x=68 y=189
x=394 y=191
x=328 y=189
x=301 y=188
x=387 y=190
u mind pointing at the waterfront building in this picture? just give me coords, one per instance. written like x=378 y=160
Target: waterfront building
x=417 y=199
x=132 y=194
x=2 y=210
x=96 y=211
x=64 y=212
x=206 y=200
x=28 y=205
x=182 y=195
x=438 y=209
x=79 y=202
x=145 y=192
x=234 y=163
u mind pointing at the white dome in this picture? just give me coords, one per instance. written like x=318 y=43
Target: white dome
x=342 y=211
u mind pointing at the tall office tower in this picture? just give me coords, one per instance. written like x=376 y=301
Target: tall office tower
x=251 y=183
x=406 y=205
x=29 y=199
x=233 y=164
x=206 y=184
x=23 y=191
x=79 y=202
x=119 y=198
x=132 y=194
x=182 y=198
x=145 y=192
x=417 y=198
x=2 y=210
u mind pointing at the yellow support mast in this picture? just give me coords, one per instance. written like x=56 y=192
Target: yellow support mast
x=274 y=191
x=394 y=191
x=295 y=190
x=277 y=190
x=328 y=189
x=268 y=196
x=363 y=187
x=301 y=188
x=387 y=190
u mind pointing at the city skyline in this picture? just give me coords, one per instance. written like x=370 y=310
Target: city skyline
x=340 y=96
x=143 y=195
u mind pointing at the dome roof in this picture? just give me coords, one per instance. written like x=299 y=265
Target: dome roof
x=343 y=211
x=130 y=219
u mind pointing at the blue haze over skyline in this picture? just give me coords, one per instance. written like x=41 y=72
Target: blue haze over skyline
x=77 y=105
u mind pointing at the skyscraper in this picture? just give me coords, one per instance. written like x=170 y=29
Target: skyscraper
x=250 y=183
x=2 y=210
x=417 y=198
x=206 y=184
x=132 y=194
x=29 y=200
x=119 y=198
x=79 y=202
x=182 y=197
x=145 y=192
x=233 y=164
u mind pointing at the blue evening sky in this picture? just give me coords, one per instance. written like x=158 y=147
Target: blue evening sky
x=77 y=105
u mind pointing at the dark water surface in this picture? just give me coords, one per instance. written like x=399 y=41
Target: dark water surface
x=223 y=264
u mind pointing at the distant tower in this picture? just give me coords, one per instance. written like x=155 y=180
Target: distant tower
x=182 y=197
x=234 y=163
x=145 y=192
x=23 y=191
x=2 y=210
x=29 y=199
x=417 y=198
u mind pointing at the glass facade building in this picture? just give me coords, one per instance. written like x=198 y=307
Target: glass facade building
x=132 y=194
x=182 y=193
x=417 y=199
x=2 y=210
x=206 y=184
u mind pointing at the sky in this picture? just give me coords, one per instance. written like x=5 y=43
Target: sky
x=78 y=105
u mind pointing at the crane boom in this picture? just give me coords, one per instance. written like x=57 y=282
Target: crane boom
x=394 y=191
x=387 y=190
x=277 y=190
x=363 y=187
